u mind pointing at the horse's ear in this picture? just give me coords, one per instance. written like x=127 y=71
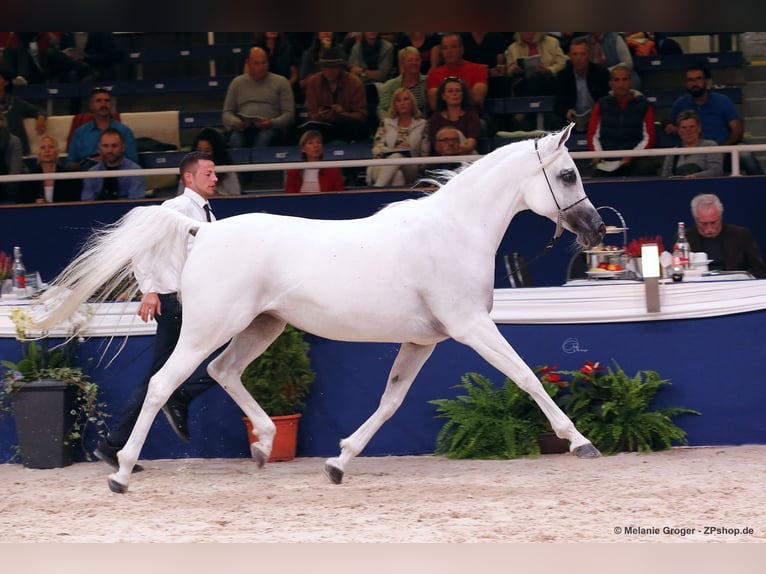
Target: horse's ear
x=565 y=134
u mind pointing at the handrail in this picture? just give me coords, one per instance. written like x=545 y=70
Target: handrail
x=734 y=150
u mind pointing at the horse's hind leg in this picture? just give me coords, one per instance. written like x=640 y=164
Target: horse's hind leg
x=227 y=369
x=407 y=365
x=484 y=337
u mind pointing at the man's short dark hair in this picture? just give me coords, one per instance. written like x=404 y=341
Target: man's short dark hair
x=112 y=131
x=700 y=66
x=191 y=159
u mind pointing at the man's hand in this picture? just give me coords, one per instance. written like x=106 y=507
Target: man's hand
x=150 y=306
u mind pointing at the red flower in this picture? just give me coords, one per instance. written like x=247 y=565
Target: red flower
x=547 y=375
x=6 y=266
x=590 y=368
x=633 y=248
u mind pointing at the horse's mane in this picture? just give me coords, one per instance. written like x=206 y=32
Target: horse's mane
x=439 y=178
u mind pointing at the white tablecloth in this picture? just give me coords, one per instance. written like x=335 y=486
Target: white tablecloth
x=606 y=301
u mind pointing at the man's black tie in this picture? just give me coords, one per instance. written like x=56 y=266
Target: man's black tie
x=206 y=207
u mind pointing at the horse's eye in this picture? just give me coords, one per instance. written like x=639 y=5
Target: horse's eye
x=568 y=175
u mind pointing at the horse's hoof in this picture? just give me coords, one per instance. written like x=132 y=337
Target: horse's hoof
x=586 y=451
x=117 y=487
x=333 y=473
x=258 y=456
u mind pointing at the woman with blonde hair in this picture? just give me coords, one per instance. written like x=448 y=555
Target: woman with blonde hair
x=50 y=190
x=402 y=133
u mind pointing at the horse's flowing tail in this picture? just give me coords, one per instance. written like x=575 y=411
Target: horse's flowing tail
x=152 y=235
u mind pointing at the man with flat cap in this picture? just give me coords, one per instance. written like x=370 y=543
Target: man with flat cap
x=336 y=101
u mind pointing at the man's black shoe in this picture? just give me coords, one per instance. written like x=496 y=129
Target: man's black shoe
x=177 y=414
x=108 y=454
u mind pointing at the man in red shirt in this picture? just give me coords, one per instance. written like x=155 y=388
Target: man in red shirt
x=474 y=75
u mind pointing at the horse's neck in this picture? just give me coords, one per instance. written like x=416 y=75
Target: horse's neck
x=487 y=198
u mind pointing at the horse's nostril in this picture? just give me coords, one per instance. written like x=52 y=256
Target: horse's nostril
x=602 y=229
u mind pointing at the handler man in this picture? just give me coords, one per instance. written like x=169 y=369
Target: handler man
x=160 y=302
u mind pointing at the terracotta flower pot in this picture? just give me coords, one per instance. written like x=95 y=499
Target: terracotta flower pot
x=286 y=439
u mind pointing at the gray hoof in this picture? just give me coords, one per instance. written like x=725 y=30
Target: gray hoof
x=587 y=451
x=333 y=473
x=117 y=487
x=258 y=456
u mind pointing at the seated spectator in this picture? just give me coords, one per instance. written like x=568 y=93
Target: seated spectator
x=409 y=77
x=210 y=142
x=17 y=109
x=449 y=141
x=83 y=150
x=488 y=49
x=112 y=158
x=622 y=120
x=731 y=247
x=693 y=164
x=372 y=59
x=579 y=86
x=718 y=116
x=259 y=105
x=10 y=161
x=536 y=78
x=26 y=56
x=609 y=49
x=404 y=128
x=534 y=59
x=50 y=190
x=473 y=75
x=336 y=100
x=454 y=109
x=310 y=56
x=427 y=45
x=311 y=180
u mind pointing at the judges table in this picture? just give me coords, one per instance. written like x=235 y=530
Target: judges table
x=708 y=339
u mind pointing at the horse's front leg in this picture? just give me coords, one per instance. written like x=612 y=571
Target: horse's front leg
x=407 y=365
x=484 y=337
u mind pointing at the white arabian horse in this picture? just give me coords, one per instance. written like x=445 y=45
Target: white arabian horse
x=417 y=272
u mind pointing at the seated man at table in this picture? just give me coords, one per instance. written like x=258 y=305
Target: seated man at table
x=730 y=247
x=112 y=152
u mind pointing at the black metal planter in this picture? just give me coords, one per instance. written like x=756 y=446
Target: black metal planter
x=43 y=414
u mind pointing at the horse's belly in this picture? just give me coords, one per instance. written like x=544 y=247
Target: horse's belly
x=363 y=319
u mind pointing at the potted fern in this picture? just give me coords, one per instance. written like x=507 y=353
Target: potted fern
x=614 y=410
x=609 y=407
x=280 y=380
x=489 y=422
x=52 y=400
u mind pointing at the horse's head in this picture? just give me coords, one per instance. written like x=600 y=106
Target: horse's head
x=563 y=198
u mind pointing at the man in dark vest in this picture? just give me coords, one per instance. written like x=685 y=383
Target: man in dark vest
x=622 y=120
